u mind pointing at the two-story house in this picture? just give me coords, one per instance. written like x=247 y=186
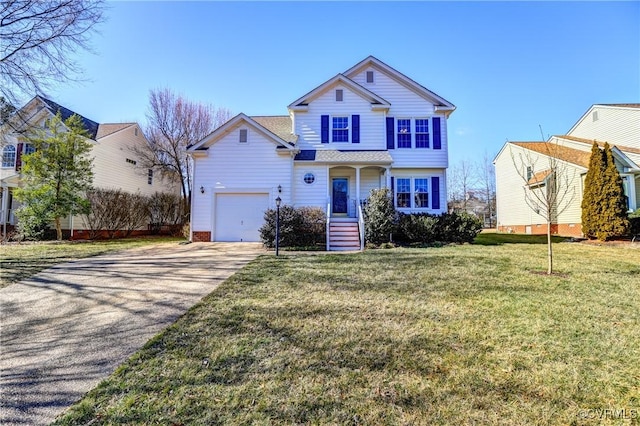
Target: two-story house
x=115 y=165
x=368 y=127
x=617 y=124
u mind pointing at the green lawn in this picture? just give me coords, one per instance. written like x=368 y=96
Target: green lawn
x=455 y=335
x=20 y=261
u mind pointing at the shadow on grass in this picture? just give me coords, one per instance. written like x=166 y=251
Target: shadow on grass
x=495 y=239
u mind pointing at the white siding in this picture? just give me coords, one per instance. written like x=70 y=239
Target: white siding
x=315 y=194
x=512 y=208
x=372 y=124
x=370 y=178
x=615 y=125
x=233 y=167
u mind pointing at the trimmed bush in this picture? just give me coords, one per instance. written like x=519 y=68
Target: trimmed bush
x=459 y=227
x=299 y=227
x=418 y=228
x=380 y=217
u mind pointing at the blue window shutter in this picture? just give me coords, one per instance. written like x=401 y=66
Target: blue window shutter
x=435 y=192
x=355 y=128
x=19 y=157
x=324 y=131
x=390 y=133
x=392 y=186
x=437 y=141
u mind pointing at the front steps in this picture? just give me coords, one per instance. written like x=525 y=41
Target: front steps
x=344 y=234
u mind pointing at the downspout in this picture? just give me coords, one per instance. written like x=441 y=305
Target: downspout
x=193 y=197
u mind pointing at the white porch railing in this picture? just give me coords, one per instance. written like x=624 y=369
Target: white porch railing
x=328 y=224
x=361 y=226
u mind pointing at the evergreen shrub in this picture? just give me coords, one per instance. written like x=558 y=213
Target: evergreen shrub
x=299 y=227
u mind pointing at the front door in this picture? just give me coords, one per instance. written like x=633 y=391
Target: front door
x=340 y=195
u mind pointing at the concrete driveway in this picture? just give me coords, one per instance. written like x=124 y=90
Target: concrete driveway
x=67 y=328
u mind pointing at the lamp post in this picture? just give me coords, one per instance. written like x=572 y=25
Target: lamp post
x=278 y=201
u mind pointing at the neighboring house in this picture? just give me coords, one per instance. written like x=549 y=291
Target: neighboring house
x=368 y=127
x=619 y=125
x=114 y=163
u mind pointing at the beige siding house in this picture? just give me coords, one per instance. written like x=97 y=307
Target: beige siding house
x=115 y=165
x=619 y=125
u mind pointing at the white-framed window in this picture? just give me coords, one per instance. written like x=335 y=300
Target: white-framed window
x=403 y=132
x=422 y=133
x=9 y=156
x=339 y=95
x=243 y=136
x=340 y=129
x=412 y=193
x=529 y=173
x=309 y=178
x=29 y=149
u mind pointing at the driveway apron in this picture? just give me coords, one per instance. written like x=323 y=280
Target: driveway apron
x=68 y=327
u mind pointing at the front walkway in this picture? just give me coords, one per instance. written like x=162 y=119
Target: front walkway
x=68 y=327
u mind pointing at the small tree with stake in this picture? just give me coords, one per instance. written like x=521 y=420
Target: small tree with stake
x=548 y=192
x=56 y=177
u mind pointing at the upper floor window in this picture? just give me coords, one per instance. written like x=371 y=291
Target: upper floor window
x=404 y=133
x=150 y=177
x=243 y=135
x=529 y=173
x=369 y=76
x=340 y=129
x=339 y=95
x=9 y=156
x=422 y=133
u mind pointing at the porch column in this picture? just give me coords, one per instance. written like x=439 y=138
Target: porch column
x=387 y=175
x=357 y=187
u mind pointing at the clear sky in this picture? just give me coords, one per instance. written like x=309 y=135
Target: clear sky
x=507 y=66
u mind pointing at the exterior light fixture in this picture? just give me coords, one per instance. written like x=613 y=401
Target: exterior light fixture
x=202 y=189
x=279 y=189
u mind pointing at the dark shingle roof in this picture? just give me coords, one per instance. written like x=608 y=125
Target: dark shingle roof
x=89 y=125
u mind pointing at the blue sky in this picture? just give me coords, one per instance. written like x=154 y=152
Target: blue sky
x=507 y=66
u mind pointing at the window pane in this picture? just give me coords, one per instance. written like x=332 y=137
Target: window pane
x=403 y=193
x=404 y=133
x=340 y=129
x=421 y=190
x=422 y=133
x=9 y=156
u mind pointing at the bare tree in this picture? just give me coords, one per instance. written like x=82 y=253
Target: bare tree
x=38 y=40
x=486 y=179
x=173 y=124
x=461 y=180
x=548 y=188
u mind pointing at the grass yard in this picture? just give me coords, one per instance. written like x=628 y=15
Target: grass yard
x=467 y=334
x=20 y=261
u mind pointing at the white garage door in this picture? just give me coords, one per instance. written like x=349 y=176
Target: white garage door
x=238 y=217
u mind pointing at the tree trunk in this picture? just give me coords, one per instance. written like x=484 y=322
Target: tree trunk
x=549 y=250
x=58 y=229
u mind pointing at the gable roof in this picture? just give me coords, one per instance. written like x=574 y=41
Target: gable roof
x=111 y=128
x=441 y=103
x=89 y=125
x=218 y=133
x=632 y=106
x=302 y=102
x=570 y=155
